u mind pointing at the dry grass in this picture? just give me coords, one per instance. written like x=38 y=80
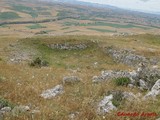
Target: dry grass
x=24 y=84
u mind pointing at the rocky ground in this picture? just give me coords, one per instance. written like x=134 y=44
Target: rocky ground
x=44 y=87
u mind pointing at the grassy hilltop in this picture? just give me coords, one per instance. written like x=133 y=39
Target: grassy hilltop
x=42 y=43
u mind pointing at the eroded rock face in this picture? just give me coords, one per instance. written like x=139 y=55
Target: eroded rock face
x=128 y=57
x=106 y=105
x=105 y=75
x=71 y=79
x=51 y=93
x=144 y=77
x=155 y=91
x=68 y=46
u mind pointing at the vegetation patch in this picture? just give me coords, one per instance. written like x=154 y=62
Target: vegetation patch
x=5 y=103
x=3 y=26
x=39 y=63
x=102 y=30
x=36 y=26
x=68 y=58
x=25 y=9
x=64 y=13
x=45 y=13
x=8 y=15
x=117 y=99
x=114 y=25
x=122 y=81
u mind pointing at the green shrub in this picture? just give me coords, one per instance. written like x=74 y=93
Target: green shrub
x=122 y=81
x=117 y=97
x=5 y=103
x=39 y=63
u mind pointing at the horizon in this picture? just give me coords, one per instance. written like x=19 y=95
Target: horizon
x=149 y=6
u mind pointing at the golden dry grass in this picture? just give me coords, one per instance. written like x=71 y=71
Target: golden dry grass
x=24 y=84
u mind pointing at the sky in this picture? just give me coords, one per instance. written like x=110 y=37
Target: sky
x=140 y=5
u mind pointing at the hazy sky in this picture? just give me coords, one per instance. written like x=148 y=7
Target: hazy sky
x=142 y=5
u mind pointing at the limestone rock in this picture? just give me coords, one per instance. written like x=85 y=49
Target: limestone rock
x=51 y=93
x=66 y=46
x=143 y=84
x=20 y=109
x=154 y=91
x=6 y=109
x=106 y=105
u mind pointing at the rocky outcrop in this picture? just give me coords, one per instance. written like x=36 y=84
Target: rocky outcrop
x=5 y=110
x=106 y=75
x=155 y=91
x=128 y=57
x=106 y=105
x=15 y=111
x=144 y=77
x=51 y=93
x=66 y=46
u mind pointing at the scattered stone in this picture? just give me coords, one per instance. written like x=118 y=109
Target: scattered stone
x=6 y=109
x=144 y=77
x=124 y=34
x=71 y=80
x=143 y=85
x=128 y=57
x=106 y=75
x=20 y=109
x=105 y=105
x=51 y=93
x=154 y=91
x=131 y=85
x=73 y=115
x=66 y=46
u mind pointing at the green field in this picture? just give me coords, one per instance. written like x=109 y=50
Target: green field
x=36 y=26
x=101 y=30
x=25 y=9
x=8 y=15
x=114 y=25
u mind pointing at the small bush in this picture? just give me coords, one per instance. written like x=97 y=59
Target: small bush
x=5 y=103
x=122 y=81
x=117 y=97
x=39 y=63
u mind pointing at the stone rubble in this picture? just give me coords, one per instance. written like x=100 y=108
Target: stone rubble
x=68 y=46
x=144 y=77
x=105 y=105
x=51 y=93
x=155 y=91
x=128 y=57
